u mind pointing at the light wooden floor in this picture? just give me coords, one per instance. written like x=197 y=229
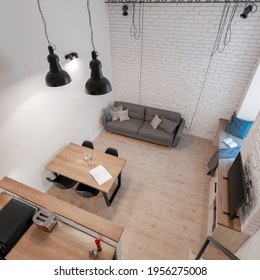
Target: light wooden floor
x=163 y=200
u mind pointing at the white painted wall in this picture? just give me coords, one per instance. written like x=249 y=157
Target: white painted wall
x=37 y=121
x=177 y=42
x=250 y=105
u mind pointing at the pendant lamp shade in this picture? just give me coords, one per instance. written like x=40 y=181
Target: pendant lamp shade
x=56 y=77
x=97 y=84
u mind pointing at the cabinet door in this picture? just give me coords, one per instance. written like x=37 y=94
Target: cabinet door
x=212 y=218
x=213 y=187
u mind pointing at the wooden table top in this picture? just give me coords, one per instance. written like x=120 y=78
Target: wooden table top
x=62 y=243
x=70 y=163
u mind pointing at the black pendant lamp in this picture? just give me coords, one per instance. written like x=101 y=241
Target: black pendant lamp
x=97 y=84
x=56 y=77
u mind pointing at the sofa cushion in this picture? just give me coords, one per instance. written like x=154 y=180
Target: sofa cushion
x=123 y=115
x=114 y=112
x=131 y=125
x=148 y=131
x=107 y=114
x=135 y=111
x=151 y=112
x=167 y=125
x=155 y=122
x=238 y=127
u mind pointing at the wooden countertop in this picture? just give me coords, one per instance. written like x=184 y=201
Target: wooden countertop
x=62 y=243
x=63 y=209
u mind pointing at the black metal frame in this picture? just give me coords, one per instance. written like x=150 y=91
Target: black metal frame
x=110 y=200
x=180 y=1
x=219 y=246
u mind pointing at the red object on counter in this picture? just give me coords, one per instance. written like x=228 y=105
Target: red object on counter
x=98 y=243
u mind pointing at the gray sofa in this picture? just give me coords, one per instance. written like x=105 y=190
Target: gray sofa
x=139 y=125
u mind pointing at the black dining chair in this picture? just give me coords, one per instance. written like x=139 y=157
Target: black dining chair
x=85 y=191
x=88 y=144
x=114 y=152
x=62 y=183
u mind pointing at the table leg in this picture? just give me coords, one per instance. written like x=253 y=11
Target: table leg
x=110 y=200
x=106 y=199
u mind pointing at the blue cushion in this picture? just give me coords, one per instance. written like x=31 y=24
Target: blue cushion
x=108 y=114
x=238 y=127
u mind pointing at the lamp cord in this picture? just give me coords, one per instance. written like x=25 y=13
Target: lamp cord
x=90 y=24
x=227 y=37
x=45 y=25
x=141 y=59
x=133 y=30
x=253 y=5
x=216 y=47
x=229 y=31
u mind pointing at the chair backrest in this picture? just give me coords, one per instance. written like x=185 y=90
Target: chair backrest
x=88 y=144
x=112 y=151
x=62 y=182
x=56 y=184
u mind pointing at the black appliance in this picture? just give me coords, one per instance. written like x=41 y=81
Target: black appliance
x=15 y=219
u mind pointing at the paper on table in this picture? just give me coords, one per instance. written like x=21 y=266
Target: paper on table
x=100 y=174
x=229 y=142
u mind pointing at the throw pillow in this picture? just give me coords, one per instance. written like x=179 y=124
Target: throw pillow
x=108 y=114
x=114 y=112
x=155 y=122
x=123 y=115
x=238 y=127
x=167 y=125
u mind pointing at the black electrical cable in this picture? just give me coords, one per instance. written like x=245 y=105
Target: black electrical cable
x=133 y=30
x=90 y=24
x=216 y=48
x=45 y=25
x=181 y=1
x=141 y=59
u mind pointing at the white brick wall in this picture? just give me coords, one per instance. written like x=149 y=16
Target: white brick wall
x=251 y=159
x=177 y=42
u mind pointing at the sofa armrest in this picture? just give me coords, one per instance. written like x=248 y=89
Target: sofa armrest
x=104 y=122
x=178 y=133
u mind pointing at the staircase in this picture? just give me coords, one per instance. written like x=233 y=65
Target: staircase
x=213 y=248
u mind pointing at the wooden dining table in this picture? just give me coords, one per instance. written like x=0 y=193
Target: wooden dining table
x=70 y=163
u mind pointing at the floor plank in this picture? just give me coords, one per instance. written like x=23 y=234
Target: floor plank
x=163 y=201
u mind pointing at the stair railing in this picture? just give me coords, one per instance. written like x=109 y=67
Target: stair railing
x=219 y=246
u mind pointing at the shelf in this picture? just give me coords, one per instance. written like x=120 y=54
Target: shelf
x=226 y=231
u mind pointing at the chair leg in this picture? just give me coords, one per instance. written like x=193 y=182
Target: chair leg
x=119 y=180
x=94 y=210
x=80 y=202
x=68 y=196
x=57 y=193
